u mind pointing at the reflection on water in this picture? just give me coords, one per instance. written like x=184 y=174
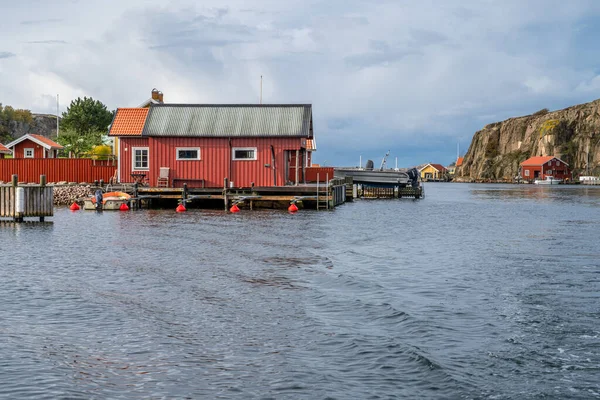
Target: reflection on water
x=476 y=291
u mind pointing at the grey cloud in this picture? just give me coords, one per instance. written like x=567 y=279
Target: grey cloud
x=379 y=45
x=191 y=43
x=373 y=58
x=48 y=42
x=6 y=54
x=425 y=38
x=41 y=21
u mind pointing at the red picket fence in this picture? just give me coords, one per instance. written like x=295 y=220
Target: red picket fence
x=57 y=169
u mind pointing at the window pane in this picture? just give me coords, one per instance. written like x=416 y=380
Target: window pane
x=188 y=154
x=141 y=158
x=244 y=154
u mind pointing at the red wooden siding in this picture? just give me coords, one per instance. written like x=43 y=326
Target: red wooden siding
x=215 y=160
x=125 y=157
x=56 y=169
x=324 y=172
x=19 y=149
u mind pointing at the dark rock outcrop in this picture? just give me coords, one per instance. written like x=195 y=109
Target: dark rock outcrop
x=42 y=124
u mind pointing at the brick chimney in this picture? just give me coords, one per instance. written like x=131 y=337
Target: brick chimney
x=155 y=94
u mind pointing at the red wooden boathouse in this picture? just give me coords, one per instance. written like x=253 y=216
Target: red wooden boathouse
x=542 y=166
x=264 y=145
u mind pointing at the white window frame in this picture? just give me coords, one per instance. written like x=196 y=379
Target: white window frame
x=526 y=172
x=25 y=150
x=177 y=149
x=234 y=149
x=133 y=166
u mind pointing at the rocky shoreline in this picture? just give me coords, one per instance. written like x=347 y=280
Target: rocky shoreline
x=65 y=195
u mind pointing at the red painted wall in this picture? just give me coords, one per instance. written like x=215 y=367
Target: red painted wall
x=560 y=171
x=215 y=160
x=322 y=172
x=19 y=149
x=125 y=157
x=56 y=169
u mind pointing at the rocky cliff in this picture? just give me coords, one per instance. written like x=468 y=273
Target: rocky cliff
x=41 y=124
x=572 y=134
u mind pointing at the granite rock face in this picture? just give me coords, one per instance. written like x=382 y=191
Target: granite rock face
x=42 y=124
x=572 y=134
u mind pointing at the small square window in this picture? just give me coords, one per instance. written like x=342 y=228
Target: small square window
x=28 y=153
x=526 y=172
x=244 y=153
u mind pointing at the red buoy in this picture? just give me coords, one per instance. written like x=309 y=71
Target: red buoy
x=234 y=208
x=124 y=207
x=293 y=208
x=74 y=207
x=180 y=208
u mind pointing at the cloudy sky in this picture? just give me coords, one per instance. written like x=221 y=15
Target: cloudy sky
x=416 y=77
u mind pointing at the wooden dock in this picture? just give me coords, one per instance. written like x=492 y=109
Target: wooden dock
x=319 y=196
x=19 y=202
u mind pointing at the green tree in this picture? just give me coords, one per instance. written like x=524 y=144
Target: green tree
x=79 y=144
x=86 y=115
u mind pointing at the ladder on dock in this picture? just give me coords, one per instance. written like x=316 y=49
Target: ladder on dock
x=323 y=201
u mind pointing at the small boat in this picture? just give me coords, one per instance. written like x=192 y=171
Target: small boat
x=377 y=177
x=109 y=201
x=549 y=180
x=380 y=177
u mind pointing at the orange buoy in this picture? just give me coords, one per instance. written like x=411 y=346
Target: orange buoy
x=180 y=208
x=74 y=207
x=234 y=208
x=293 y=208
x=124 y=207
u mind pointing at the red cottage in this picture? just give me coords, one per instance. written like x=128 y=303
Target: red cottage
x=34 y=146
x=264 y=145
x=543 y=166
x=3 y=151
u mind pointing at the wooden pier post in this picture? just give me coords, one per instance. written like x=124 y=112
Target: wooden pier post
x=43 y=186
x=225 y=200
x=184 y=195
x=135 y=196
x=15 y=180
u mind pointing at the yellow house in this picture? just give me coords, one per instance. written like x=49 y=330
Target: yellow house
x=433 y=172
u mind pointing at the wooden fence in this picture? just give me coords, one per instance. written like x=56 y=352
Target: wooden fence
x=57 y=169
x=26 y=201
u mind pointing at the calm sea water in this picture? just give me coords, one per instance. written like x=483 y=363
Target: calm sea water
x=476 y=291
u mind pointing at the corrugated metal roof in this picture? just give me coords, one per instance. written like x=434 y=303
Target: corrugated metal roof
x=241 y=120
